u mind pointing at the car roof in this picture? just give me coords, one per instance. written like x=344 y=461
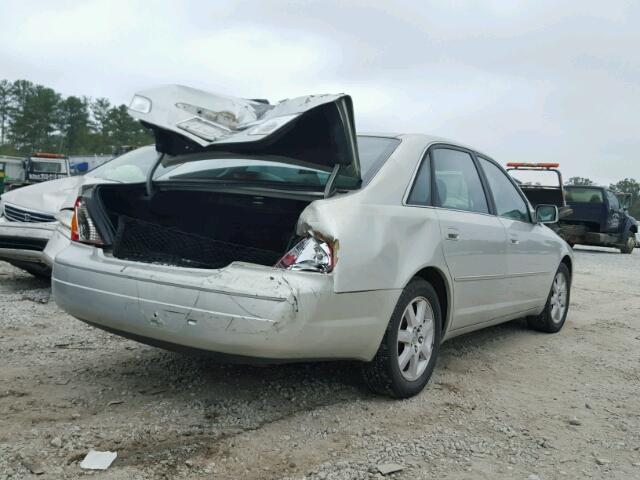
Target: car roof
x=425 y=139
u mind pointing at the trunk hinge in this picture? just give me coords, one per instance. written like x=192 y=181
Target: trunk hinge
x=328 y=189
x=150 y=174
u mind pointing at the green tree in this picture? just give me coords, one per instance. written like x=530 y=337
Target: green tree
x=579 y=181
x=5 y=108
x=73 y=124
x=34 y=117
x=100 y=111
x=628 y=185
x=122 y=129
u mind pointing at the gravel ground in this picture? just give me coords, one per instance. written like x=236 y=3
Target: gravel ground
x=504 y=402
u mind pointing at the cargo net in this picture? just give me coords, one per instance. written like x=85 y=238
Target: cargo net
x=152 y=243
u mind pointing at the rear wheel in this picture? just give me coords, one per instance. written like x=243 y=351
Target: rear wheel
x=630 y=244
x=407 y=354
x=555 y=311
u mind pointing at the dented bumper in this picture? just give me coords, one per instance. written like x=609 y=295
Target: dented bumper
x=243 y=309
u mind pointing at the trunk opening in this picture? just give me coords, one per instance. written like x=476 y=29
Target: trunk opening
x=199 y=229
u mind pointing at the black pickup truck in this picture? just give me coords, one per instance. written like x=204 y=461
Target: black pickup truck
x=588 y=215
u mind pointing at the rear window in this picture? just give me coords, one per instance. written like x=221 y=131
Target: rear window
x=373 y=152
x=583 y=195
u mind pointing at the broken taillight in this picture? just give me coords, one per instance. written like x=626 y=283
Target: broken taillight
x=83 y=229
x=310 y=254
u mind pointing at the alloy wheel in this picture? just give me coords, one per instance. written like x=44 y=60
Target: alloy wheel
x=558 y=300
x=415 y=338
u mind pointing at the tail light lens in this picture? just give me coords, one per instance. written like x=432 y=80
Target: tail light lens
x=83 y=229
x=310 y=254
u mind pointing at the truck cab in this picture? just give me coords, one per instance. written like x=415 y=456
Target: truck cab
x=36 y=168
x=588 y=215
x=46 y=166
x=603 y=218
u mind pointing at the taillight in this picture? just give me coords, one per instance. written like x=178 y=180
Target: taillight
x=83 y=229
x=310 y=254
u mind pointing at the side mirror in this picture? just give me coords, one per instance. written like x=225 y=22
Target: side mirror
x=547 y=214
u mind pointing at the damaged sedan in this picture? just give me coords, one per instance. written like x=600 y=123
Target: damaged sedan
x=274 y=233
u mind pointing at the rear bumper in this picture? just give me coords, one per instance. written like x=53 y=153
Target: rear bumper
x=60 y=239
x=24 y=242
x=241 y=310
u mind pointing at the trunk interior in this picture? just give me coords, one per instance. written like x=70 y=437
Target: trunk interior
x=200 y=229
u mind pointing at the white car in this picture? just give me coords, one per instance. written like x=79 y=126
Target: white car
x=35 y=220
x=281 y=236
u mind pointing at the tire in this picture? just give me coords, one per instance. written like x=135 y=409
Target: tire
x=384 y=374
x=550 y=320
x=630 y=243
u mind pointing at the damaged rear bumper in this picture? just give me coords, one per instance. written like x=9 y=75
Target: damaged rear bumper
x=242 y=310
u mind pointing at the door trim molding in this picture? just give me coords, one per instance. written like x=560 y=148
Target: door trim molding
x=473 y=278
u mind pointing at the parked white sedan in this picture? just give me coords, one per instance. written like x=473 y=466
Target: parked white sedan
x=35 y=220
x=278 y=235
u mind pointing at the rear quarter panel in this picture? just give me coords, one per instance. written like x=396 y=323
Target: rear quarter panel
x=381 y=243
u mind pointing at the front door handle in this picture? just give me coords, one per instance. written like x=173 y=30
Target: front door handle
x=515 y=241
x=453 y=234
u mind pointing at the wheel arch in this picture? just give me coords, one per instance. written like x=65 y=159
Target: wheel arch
x=569 y=263
x=440 y=284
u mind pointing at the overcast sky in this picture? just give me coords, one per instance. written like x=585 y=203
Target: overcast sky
x=522 y=81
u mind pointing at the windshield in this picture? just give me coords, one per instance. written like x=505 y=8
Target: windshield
x=373 y=152
x=583 y=195
x=131 y=167
x=45 y=167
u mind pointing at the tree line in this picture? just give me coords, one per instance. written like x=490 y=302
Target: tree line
x=37 y=118
x=627 y=185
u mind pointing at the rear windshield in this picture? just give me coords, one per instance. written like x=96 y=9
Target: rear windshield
x=583 y=195
x=373 y=152
x=130 y=167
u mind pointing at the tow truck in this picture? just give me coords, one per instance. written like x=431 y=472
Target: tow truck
x=588 y=215
x=36 y=168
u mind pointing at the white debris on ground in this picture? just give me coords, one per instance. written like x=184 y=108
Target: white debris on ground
x=504 y=403
x=98 y=460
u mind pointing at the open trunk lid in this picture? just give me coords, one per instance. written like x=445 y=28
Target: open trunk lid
x=315 y=131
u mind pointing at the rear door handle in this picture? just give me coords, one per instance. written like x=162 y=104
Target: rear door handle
x=515 y=241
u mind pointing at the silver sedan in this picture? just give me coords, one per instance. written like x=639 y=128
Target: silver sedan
x=274 y=233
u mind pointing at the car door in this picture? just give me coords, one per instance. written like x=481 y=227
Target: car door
x=531 y=255
x=615 y=214
x=474 y=240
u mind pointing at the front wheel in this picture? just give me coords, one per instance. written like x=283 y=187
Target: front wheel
x=407 y=354
x=555 y=311
x=630 y=244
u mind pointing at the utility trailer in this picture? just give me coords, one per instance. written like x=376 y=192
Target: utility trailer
x=588 y=215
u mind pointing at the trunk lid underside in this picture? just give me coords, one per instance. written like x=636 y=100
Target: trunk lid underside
x=316 y=131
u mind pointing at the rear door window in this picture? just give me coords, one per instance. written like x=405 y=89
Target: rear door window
x=421 y=190
x=457 y=182
x=509 y=203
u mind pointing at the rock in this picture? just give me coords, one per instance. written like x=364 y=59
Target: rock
x=388 y=468
x=56 y=442
x=533 y=476
x=33 y=466
x=602 y=461
x=575 y=421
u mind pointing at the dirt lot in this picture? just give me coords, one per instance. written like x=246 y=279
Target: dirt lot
x=503 y=403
